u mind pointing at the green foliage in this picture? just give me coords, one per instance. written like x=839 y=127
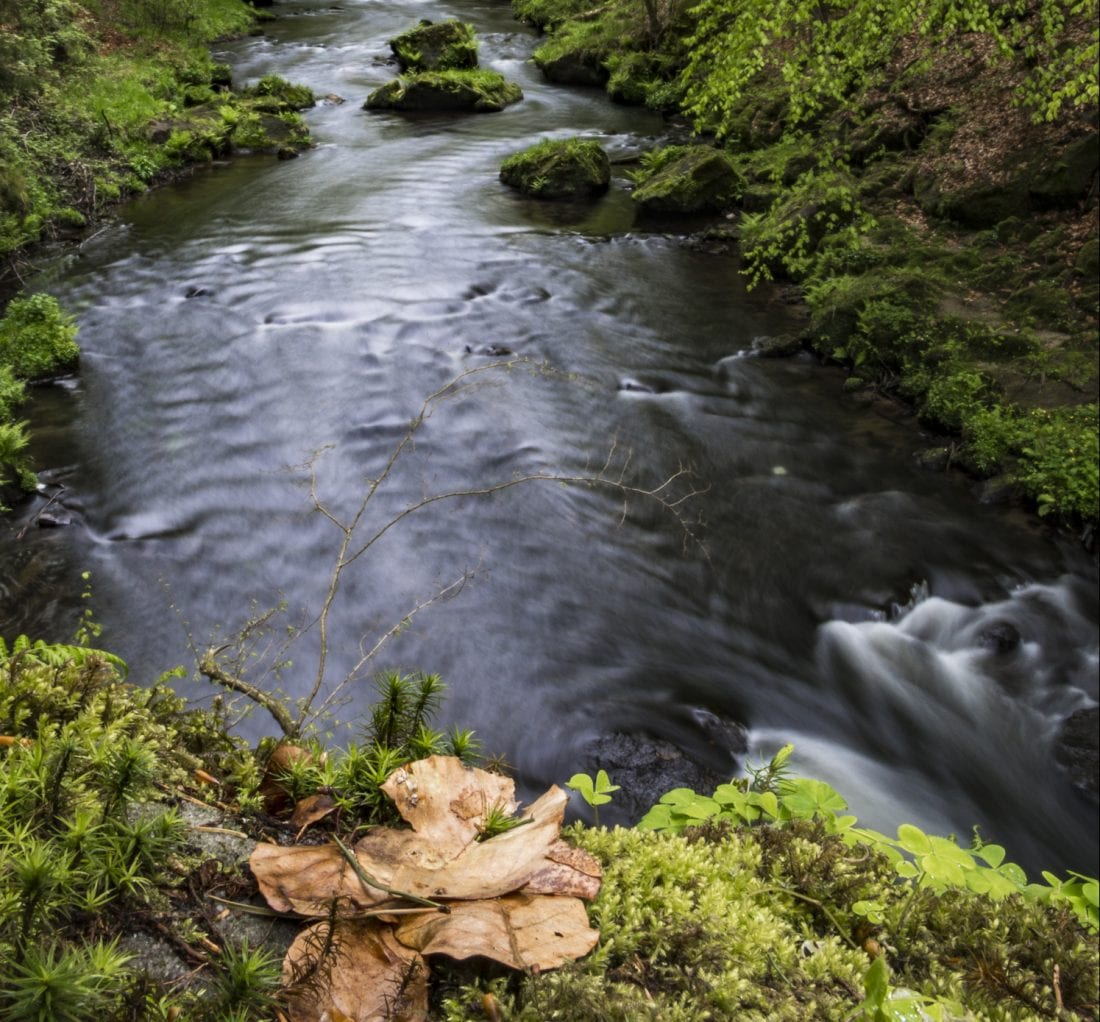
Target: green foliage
x=821 y=213
x=36 y=337
x=36 y=340
x=765 y=902
x=14 y=463
x=595 y=792
x=283 y=95
x=53 y=984
x=1054 y=452
x=822 y=53
x=82 y=840
x=436 y=46
x=397 y=732
x=246 y=985
x=929 y=863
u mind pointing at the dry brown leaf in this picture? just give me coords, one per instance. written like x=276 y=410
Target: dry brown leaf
x=443 y=798
x=272 y=789
x=306 y=878
x=567 y=870
x=411 y=863
x=521 y=931
x=366 y=976
x=311 y=809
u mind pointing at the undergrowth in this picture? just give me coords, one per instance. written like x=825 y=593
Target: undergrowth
x=762 y=901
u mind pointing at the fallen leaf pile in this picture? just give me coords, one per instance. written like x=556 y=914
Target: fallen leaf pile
x=397 y=897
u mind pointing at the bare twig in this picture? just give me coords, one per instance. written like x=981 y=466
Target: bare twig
x=672 y=496
x=368 y=881
x=209 y=668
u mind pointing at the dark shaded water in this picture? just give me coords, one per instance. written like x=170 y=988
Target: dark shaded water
x=341 y=289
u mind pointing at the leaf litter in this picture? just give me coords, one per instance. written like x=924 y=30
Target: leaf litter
x=397 y=897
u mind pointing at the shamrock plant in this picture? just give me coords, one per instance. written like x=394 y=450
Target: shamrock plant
x=927 y=863
x=595 y=793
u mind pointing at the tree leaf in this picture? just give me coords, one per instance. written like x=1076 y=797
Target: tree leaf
x=307 y=878
x=520 y=931
x=366 y=975
x=443 y=798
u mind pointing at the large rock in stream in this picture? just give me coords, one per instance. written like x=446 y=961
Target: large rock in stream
x=688 y=179
x=456 y=91
x=572 y=168
x=436 y=46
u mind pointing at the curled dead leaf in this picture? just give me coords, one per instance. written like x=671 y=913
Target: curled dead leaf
x=311 y=809
x=521 y=931
x=567 y=870
x=307 y=878
x=442 y=797
x=355 y=971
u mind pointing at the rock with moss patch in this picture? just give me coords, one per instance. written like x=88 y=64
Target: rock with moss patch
x=436 y=46
x=1063 y=182
x=689 y=179
x=276 y=95
x=471 y=91
x=572 y=168
x=564 y=62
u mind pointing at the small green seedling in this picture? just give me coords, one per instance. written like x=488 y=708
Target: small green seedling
x=595 y=793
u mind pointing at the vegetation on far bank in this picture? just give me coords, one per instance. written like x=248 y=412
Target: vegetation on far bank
x=99 y=100
x=926 y=174
x=763 y=901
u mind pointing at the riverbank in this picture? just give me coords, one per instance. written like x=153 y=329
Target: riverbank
x=99 y=102
x=930 y=189
x=136 y=829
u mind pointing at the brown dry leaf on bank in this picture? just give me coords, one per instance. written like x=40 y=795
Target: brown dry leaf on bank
x=443 y=798
x=358 y=972
x=306 y=879
x=520 y=930
x=513 y=897
x=310 y=810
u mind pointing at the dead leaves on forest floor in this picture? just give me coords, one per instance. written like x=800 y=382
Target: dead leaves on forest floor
x=396 y=897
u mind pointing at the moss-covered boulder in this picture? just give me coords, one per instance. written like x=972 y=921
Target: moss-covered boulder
x=276 y=95
x=431 y=46
x=688 y=179
x=571 y=59
x=472 y=91
x=572 y=168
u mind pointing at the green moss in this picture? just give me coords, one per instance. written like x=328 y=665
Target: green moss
x=77 y=854
x=688 y=179
x=573 y=168
x=273 y=94
x=473 y=91
x=432 y=46
x=36 y=338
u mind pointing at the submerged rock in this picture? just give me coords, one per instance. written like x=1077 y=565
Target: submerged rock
x=776 y=346
x=645 y=767
x=1077 y=748
x=571 y=168
x=469 y=91
x=688 y=179
x=442 y=46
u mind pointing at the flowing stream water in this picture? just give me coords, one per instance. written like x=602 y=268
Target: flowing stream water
x=236 y=323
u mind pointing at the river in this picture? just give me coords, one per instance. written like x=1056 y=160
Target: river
x=818 y=587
